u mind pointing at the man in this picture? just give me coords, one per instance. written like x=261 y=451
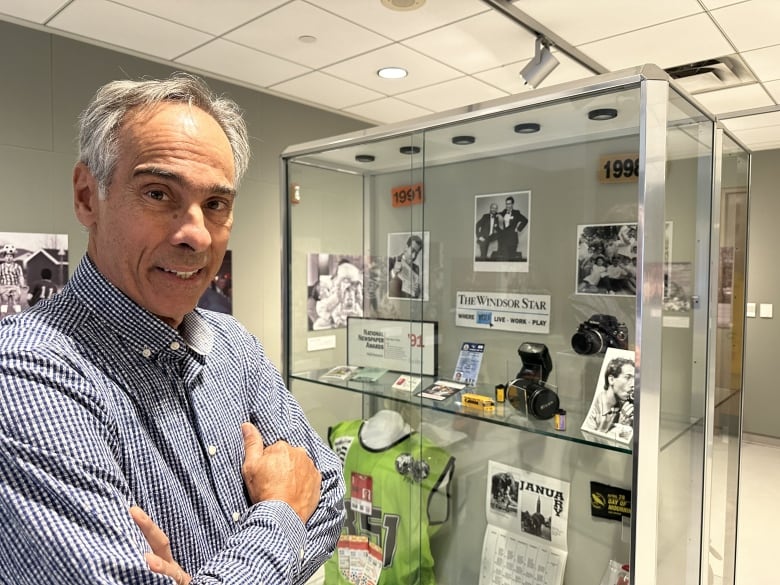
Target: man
x=488 y=229
x=404 y=278
x=11 y=281
x=130 y=417
x=41 y=289
x=614 y=405
x=514 y=223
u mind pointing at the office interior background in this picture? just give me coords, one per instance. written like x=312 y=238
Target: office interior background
x=307 y=69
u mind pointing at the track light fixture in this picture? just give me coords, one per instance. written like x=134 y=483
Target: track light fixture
x=541 y=65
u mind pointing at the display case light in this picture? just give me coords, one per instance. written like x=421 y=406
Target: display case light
x=463 y=140
x=601 y=114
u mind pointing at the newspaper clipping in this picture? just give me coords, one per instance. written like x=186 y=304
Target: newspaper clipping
x=525 y=540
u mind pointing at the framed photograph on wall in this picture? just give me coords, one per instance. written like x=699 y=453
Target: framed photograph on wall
x=502 y=225
x=607 y=258
x=33 y=267
x=334 y=290
x=408 y=265
x=219 y=295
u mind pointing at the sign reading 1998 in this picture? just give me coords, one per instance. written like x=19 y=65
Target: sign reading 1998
x=407 y=195
x=619 y=168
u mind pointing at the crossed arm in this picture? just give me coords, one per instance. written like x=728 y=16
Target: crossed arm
x=64 y=500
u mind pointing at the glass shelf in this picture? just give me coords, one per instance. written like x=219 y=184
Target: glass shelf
x=504 y=415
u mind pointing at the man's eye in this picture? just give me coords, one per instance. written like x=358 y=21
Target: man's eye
x=218 y=205
x=156 y=194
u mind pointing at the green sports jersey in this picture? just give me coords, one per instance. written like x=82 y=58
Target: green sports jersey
x=403 y=479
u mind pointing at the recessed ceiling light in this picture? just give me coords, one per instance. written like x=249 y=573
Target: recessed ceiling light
x=527 y=128
x=307 y=39
x=463 y=140
x=602 y=114
x=365 y=158
x=409 y=150
x=392 y=73
x=403 y=4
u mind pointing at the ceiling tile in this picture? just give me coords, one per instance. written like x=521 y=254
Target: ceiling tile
x=711 y=4
x=387 y=111
x=750 y=25
x=508 y=77
x=734 y=99
x=328 y=91
x=38 y=11
x=400 y=24
x=695 y=38
x=455 y=93
x=243 y=64
x=764 y=62
x=773 y=87
x=422 y=70
x=206 y=15
x=127 y=28
x=581 y=22
x=768 y=120
x=278 y=33
x=765 y=138
x=481 y=42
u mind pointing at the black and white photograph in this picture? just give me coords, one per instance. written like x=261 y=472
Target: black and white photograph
x=536 y=515
x=33 y=267
x=502 y=232
x=678 y=284
x=606 y=259
x=611 y=413
x=334 y=291
x=503 y=493
x=219 y=295
x=407 y=266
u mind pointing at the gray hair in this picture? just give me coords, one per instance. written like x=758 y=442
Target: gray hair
x=100 y=122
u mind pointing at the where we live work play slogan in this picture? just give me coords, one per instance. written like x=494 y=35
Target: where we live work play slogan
x=503 y=311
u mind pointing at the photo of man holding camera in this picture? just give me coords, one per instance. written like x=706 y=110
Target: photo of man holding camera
x=612 y=410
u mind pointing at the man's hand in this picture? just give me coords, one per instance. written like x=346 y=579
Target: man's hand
x=160 y=560
x=280 y=472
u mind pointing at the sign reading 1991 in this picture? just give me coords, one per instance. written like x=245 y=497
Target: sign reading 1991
x=619 y=168
x=407 y=195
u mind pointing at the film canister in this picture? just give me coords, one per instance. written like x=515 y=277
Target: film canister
x=560 y=420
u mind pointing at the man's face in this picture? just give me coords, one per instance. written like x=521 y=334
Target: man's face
x=412 y=250
x=493 y=209
x=623 y=385
x=509 y=205
x=161 y=233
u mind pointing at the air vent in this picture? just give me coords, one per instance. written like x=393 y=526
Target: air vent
x=712 y=74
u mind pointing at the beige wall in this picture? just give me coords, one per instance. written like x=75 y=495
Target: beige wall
x=761 y=413
x=45 y=82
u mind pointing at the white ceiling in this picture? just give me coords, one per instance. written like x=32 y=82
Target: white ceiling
x=458 y=52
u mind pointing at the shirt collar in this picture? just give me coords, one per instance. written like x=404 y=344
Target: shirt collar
x=144 y=332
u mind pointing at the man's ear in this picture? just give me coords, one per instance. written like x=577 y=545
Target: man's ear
x=85 y=195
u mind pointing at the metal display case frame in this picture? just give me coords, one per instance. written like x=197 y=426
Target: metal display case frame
x=345 y=197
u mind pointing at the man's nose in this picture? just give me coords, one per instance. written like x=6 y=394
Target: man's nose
x=191 y=230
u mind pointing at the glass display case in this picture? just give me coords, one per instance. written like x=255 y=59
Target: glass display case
x=545 y=293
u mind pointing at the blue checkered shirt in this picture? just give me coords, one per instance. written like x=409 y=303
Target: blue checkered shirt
x=102 y=406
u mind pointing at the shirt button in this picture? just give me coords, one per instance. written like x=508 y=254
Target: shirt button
x=236 y=516
x=146 y=352
x=212 y=450
x=175 y=345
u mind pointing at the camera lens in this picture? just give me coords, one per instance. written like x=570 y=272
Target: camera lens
x=532 y=398
x=587 y=342
x=543 y=403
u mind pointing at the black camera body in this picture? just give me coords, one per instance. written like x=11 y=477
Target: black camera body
x=529 y=393
x=599 y=333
